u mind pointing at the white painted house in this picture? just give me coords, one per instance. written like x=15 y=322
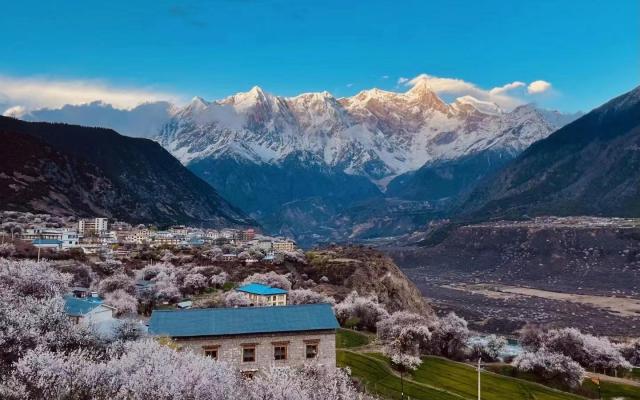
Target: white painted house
x=88 y=310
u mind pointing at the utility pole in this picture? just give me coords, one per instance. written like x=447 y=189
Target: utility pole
x=479 y=362
x=401 y=383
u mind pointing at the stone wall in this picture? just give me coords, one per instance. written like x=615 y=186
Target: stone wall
x=230 y=348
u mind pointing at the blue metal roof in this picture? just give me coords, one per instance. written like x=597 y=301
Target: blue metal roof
x=245 y=320
x=263 y=290
x=46 y=241
x=77 y=307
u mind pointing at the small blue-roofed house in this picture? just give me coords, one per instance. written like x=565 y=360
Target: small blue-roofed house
x=87 y=310
x=254 y=338
x=262 y=295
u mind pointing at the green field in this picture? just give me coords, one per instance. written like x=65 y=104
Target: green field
x=439 y=378
x=348 y=339
x=589 y=389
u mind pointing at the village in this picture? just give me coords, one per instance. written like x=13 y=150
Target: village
x=97 y=236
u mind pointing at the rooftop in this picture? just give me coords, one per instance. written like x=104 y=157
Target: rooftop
x=77 y=307
x=46 y=241
x=238 y=321
x=260 y=289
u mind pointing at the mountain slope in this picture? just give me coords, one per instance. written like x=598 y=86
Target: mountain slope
x=312 y=164
x=92 y=171
x=591 y=166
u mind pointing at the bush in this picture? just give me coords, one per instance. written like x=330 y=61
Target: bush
x=307 y=296
x=366 y=309
x=551 y=367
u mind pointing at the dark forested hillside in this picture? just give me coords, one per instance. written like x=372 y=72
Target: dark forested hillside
x=71 y=169
x=589 y=167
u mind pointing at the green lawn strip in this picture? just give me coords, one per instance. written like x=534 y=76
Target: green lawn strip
x=459 y=378
x=610 y=390
x=348 y=338
x=462 y=379
x=378 y=378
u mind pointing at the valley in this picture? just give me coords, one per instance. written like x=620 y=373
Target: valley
x=579 y=271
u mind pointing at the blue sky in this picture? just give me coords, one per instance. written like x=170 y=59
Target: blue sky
x=588 y=50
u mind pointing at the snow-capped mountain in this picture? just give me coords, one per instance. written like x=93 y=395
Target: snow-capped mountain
x=318 y=167
x=377 y=134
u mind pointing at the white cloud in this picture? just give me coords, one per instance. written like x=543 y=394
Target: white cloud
x=34 y=93
x=536 y=87
x=507 y=87
x=385 y=77
x=506 y=96
x=349 y=85
x=15 y=112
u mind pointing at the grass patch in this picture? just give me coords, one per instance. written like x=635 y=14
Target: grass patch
x=610 y=390
x=377 y=378
x=347 y=339
x=441 y=379
x=462 y=379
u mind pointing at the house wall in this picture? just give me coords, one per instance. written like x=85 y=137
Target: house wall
x=98 y=314
x=230 y=349
x=270 y=300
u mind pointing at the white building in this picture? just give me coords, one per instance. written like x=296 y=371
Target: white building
x=284 y=245
x=93 y=226
x=88 y=310
x=60 y=238
x=260 y=295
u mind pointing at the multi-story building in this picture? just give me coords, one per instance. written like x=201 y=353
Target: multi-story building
x=254 y=339
x=137 y=236
x=262 y=295
x=212 y=234
x=45 y=237
x=179 y=230
x=165 y=238
x=246 y=235
x=93 y=226
x=284 y=245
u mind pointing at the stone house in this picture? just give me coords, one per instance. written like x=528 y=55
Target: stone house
x=254 y=339
x=262 y=295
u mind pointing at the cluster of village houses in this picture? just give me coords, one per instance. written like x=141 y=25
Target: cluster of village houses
x=97 y=236
x=269 y=333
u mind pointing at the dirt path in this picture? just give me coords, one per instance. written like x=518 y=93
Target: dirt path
x=613 y=379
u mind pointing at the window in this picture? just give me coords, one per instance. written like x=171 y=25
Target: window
x=280 y=352
x=211 y=352
x=248 y=374
x=248 y=354
x=312 y=350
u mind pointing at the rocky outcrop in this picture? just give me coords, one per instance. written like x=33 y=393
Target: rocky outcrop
x=367 y=271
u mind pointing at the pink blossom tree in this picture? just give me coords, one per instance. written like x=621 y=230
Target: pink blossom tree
x=360 y=311
x=307 y=296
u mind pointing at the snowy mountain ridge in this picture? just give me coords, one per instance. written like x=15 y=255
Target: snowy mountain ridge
x=378 y=134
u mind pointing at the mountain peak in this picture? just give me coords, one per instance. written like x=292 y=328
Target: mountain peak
x=198 y=102
x=422 y=93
